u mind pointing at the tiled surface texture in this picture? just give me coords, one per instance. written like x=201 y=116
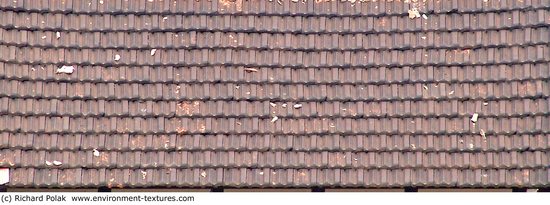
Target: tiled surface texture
x=258 y=93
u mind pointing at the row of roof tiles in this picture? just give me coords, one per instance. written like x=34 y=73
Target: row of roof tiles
x=209 y=125
x=240 y=109
x=123 y=178
x=167 y=41
x=490 y=75
x=264 y=58
x=286 y=159
x=264 y=7
x=473 y=143
x=273 y=24
x=275 y=92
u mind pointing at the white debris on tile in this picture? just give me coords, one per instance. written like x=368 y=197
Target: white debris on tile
x=471 y=146
x=166 y=144
x=425 y=87
x=482 y=133
x=423 y=37
x=65 y=69
x=203 y=174
x=414 y=13
x=272 y=104
x=57 y=35
x=298 y=106
x=274 y=119
x=4 y=175
x=474 y=118
x=143 y=174
x=117 y=57
x=485 y=103
x=251 y=70
x=153 y=51
x=452 y=92
x=283 y=105
x=57 y=163
x=49 y=163
x=424 y=16
x=96 y=153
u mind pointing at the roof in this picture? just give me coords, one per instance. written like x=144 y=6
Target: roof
x=275 y=93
